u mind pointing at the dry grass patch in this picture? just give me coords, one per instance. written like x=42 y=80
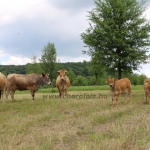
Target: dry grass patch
x=76 y=123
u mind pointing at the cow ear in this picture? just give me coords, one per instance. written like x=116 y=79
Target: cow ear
x=43 y=74
x=65 y=71
x=58 y=72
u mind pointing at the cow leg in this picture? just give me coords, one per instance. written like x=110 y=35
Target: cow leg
x=117 y=95
x=66 y=89
x=148 y=97
x=7 y=93
x=62 y=92
x=7 y=90
x=32 y=91
x=126 y=95
x=12 y=94
x=2 y=95
x=130 y=96
x=59 y=92
x=146 y=94
x=117 y=100
x=32 y=94
x=112 y=101
x=113 y=97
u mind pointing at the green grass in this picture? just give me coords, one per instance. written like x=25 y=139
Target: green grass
x=75 y=123
x=78 y=88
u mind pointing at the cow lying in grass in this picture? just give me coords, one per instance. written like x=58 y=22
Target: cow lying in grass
x=119 y=86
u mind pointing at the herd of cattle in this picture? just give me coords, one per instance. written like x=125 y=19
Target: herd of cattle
x=32 y=82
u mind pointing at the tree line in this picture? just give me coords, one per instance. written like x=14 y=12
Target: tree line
x=79 y=73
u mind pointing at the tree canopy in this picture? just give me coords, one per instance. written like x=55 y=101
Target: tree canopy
x=48 y=59
x=118 y=35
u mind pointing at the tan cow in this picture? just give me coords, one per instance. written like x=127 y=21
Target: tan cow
x=119 y=86
x=22 y=82
x=62 y=82
x=2 y=86
x=147 y=89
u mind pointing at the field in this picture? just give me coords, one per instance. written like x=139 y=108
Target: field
x=85 y=120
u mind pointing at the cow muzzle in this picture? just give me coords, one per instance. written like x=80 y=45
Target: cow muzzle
x=111 y=85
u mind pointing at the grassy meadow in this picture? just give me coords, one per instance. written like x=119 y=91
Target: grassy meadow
x=84 y=121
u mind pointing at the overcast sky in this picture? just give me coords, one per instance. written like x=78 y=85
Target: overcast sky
x=26 y=26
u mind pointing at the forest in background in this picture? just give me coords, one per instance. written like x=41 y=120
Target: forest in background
x=80 y=73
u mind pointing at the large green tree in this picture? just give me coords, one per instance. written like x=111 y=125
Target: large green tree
x=118 y=34
x=48 y=59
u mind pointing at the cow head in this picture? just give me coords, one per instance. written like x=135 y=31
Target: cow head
x=111 y=82
x=46 y=79
x=62 y=74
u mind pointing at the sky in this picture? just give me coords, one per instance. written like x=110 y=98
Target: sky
x=26 y=26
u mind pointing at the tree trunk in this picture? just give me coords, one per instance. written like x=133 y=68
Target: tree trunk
x=119 y=70
x=96 y=77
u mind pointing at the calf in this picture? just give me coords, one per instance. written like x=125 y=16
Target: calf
x=119 y=86
x=62 y=82
x=147 y=89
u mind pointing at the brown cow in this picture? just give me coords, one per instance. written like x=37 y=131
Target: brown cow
x=119 y=86
x=62 y=82
x=2 y=85
x=22 y=82
x=147 y=89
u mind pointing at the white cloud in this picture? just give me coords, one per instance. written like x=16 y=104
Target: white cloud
x=2 y=53
x=20 y=60
x=11 y=11
x=146 y=72
x=16 y=60
x=147 y=13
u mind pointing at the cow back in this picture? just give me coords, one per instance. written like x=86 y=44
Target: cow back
x=122 y=84
x=25 y=82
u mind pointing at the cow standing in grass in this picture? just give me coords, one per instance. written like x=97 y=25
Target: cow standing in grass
x=147 y=89
x=2 y=86
x=119 y=86
x=62 y=82
x=22 y=82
